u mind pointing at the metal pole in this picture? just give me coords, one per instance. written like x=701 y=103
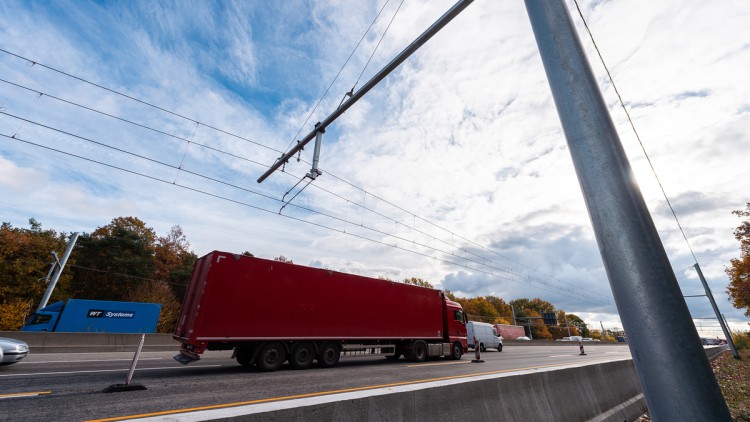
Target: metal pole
x=567 y=325
x=390 y=67
x=514 y=314
x=135 y=360
x=58 y=272
x=710 y=296
x=674 y=372
x=528 y=323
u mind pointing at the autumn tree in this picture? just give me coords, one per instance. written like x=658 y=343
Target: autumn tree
x=418 y=282
x=282 y=258
x=173 y=261
x=504 y=312
x=478 y=309
x=576 y=321
x=531 y=312
x=13 y=314
x=159 y=291
x=739 y=268
x=25 y=259
x=450 y=295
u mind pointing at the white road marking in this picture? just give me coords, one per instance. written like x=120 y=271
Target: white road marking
x=86 y=360
x=103 y=370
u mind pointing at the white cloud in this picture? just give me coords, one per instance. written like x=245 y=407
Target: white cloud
x=462 y=141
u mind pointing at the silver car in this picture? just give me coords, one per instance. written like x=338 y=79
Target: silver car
x=11 y=351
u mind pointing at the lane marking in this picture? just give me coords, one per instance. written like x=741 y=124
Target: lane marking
x=561 y=356
x=458 y=362
x=87 y=361
x=332 y=392
x=29 y=394
x=105 y=370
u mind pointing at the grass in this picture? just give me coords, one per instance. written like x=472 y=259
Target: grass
x=733 y=377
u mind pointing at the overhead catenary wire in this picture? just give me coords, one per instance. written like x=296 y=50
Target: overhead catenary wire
x=632 y=126
x=337 y=74
x=264 y=146
x=351 y=91
x=135 y=277
x=40 y=94
x=146 y=103
x=490 y=272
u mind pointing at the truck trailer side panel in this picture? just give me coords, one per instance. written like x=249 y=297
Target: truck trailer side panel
x=235 y=297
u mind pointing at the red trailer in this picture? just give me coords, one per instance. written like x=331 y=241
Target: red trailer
x=510 y=332
x=270 y=311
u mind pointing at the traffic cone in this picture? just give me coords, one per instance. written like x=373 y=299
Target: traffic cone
x=580 y=346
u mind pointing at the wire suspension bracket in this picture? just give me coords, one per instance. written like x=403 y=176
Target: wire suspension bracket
x=314 y=171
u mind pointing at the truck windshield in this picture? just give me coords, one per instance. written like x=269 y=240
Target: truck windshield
x=39 y=319
x=459 y=316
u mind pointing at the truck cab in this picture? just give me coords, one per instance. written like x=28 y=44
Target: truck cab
x=455 y=321
x=44 y=319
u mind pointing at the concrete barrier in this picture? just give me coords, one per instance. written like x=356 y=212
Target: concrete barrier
x=43 y=342
x=604 y=392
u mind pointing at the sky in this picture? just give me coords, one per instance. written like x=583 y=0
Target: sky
x=453 y=169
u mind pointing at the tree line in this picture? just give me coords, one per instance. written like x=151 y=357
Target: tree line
x=126 y=260
x=123 y=261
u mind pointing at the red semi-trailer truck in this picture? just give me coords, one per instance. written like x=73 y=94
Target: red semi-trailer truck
x=270 y=312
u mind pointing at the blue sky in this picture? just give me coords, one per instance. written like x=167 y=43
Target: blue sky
x=454 y=169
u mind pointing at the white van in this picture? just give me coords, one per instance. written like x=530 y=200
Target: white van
x=486 y=336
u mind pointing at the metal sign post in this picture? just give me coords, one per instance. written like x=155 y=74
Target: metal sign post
x=116 y=388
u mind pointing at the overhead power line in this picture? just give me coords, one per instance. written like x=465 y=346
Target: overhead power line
x=362 y=206
x=40 y=94
x=632 y=126
x=490 y=271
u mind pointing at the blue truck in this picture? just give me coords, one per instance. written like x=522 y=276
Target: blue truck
x=95 y=316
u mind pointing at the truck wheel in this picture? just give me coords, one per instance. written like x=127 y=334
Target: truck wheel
x=482 y=348
x=303 y=354
x=329 y=355
x=500 y=348
x=271 y=357
x=418 y=352
x=456 y=351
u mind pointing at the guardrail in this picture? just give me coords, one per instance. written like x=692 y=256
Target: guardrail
x=43 y=342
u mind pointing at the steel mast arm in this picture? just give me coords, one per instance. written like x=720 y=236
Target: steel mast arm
x=408 y=51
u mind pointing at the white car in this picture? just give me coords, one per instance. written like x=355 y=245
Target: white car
x=522 y=338
x=11 y=351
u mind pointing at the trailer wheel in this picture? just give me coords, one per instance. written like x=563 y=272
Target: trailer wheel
x=418 y=352
x=271 y=357
x=500 y=348
x=303 y=354
x=482 y=348
x=329 y=354
x=456 y=351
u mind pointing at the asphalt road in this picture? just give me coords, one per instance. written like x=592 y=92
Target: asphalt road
x=68 y=387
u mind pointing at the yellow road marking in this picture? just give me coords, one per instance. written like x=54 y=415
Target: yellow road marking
x=438 y=363
x=31 y=393
x=316 y=394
